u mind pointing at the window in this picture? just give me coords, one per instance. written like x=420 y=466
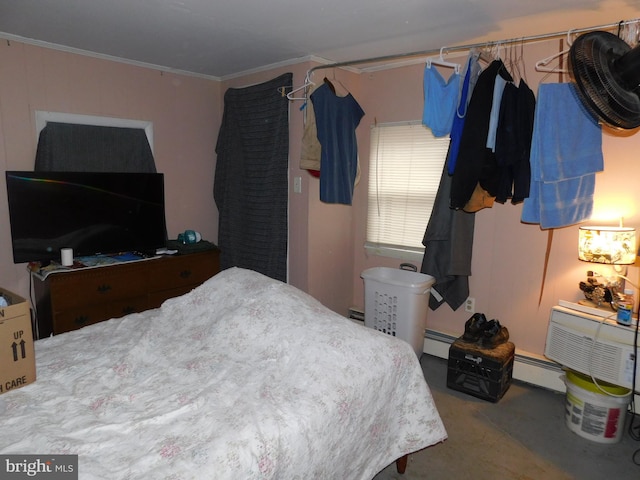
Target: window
x=90 y=143
x=405 y=168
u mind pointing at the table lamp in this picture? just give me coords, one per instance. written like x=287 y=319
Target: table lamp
x=606 y=245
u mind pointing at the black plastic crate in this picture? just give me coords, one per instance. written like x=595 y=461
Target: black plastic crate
x=483 y=373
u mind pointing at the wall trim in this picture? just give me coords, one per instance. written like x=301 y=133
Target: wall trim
x=101 y=56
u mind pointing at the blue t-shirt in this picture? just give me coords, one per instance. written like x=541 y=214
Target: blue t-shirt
x=336 y=121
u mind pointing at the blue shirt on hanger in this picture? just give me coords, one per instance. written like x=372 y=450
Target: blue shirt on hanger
x=336 y=121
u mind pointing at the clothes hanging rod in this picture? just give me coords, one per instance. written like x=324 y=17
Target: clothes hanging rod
x=470 y=46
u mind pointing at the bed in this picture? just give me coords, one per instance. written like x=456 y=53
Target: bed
x=244 y=377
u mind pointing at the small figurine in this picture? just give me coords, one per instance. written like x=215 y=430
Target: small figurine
x=598 y=293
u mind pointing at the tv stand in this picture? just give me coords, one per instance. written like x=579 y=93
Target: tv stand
x=72 y=299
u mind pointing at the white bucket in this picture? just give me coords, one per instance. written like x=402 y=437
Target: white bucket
x=592 y=414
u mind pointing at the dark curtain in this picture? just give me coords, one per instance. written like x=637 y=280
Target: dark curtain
x=251 y=178
x=90 y=148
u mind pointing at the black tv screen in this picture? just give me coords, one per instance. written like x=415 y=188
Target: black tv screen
x=93 y=213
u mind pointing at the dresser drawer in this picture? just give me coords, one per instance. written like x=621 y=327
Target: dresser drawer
x=97 y=286
x=183 y=271
x=73 y=299
x=75 y=318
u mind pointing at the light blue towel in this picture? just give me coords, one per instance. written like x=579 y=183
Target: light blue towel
x=569 y=142
x=566 y=153
x=559 y=204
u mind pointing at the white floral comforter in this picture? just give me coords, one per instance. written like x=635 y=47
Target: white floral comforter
x=243 y=378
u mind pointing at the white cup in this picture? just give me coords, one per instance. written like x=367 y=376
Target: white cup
x=66 y=256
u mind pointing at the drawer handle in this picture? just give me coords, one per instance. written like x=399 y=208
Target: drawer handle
x=104 y=288
x=81 y=320
x=185 y=274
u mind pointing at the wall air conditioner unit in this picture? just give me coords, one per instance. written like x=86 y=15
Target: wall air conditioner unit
x=570 y=342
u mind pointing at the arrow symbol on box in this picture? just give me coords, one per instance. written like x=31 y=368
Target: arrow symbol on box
x=23 y=350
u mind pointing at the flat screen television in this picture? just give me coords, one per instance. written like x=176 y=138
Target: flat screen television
x=93 y=213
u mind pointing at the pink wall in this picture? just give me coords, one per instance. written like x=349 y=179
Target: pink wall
x=326 y=254
x=185 y=112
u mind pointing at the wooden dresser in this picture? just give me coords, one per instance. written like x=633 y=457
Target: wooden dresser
x=73 y=299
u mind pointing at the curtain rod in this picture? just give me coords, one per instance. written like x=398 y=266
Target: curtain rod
x=470 y=46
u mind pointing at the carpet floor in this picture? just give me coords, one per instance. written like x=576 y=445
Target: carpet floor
x=523 y=436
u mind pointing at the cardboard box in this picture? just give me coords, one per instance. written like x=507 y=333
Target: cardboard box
x=17 y=355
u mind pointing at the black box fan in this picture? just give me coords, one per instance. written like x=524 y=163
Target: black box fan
x=606 y=71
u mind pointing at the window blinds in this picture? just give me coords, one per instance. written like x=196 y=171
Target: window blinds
x=405 y=169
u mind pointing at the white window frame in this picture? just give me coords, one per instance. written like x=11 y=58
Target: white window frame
x=433 y=150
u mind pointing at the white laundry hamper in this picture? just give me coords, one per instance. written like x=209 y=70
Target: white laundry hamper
x=396 y=303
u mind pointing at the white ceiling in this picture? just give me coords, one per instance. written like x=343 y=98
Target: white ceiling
x=221 y=39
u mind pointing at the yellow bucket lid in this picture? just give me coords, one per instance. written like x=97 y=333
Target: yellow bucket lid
x=585 y=382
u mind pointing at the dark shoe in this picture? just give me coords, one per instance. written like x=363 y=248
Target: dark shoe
x=493 y=334
x=474 y=327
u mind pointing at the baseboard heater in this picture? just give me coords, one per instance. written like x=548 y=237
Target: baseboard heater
x=527 y=367
x=356 y=314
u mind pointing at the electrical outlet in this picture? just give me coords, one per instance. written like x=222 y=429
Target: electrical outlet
x=470 y=305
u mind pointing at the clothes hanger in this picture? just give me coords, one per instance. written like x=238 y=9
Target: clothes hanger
x=328 y=82
x=336 y=86
x=512 y=64
x=504 y=70
x=486 y=57
x=442 y=62
x=542 y=65
x=522 y=67
x=630 y=33
x=307 y=83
